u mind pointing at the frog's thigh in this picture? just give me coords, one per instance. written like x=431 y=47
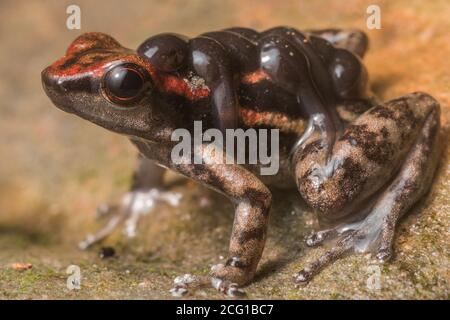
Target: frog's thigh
x=252 y=201
x=365 y=157
x=412 y=181
x=353 y=40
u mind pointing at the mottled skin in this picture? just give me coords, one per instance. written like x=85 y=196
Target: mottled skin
x=358 y=164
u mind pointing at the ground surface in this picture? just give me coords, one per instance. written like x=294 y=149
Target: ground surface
x=56 y=168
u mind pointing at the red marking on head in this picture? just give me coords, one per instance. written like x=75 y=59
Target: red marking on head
x=74 y=69
x=91 y=54
x=96 y=63
x=92 y=40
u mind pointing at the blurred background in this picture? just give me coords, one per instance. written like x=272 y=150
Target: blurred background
x=56 y=168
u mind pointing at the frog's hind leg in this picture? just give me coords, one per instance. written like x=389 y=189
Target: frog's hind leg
x=143 y=195
x=408 y=184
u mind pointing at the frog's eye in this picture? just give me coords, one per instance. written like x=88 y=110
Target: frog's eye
x=124 y=84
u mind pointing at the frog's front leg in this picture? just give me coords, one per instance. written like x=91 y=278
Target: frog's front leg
x=145 y=191
x=252 y=200
x=381 y=166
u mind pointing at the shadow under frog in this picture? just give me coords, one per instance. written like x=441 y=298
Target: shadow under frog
x=360 y=165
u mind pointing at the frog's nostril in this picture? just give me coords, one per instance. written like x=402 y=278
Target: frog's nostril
x=47 y=79
x=53 y=85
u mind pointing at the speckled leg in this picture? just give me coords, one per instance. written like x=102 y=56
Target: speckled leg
x=252 y=202
x=145 y=191
x=366 y=164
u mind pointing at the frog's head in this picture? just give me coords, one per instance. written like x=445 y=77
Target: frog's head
x=107 y=84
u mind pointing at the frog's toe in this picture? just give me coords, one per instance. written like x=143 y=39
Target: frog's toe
x=385 y=251
x=186 y=284
x=345 y=243
x=233 y=271
x=384 y=254
x=317 y=238
x=357 y=236
x=231 y=289
x=227 y=278
x=303 y=276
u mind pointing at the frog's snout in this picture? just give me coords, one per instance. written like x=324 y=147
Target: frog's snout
x=50 y=81
x=56 y=89
x=54 y=81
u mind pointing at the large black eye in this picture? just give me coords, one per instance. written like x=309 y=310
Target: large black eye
x=123 y=84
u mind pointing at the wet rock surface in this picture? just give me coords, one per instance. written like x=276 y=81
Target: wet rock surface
x=57 y=168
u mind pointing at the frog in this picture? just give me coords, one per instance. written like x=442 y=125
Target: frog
x=359 y=163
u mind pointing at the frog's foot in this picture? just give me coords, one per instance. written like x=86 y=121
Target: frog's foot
x=188 y=283
x=317 y=238
x=356 y=237
x=185 y=284
x=225 y=278
x=128 y=211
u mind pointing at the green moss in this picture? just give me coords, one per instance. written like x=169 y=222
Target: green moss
x=87 y=174
x=335 y=296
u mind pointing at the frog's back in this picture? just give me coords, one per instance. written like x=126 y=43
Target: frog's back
x=264 y=104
